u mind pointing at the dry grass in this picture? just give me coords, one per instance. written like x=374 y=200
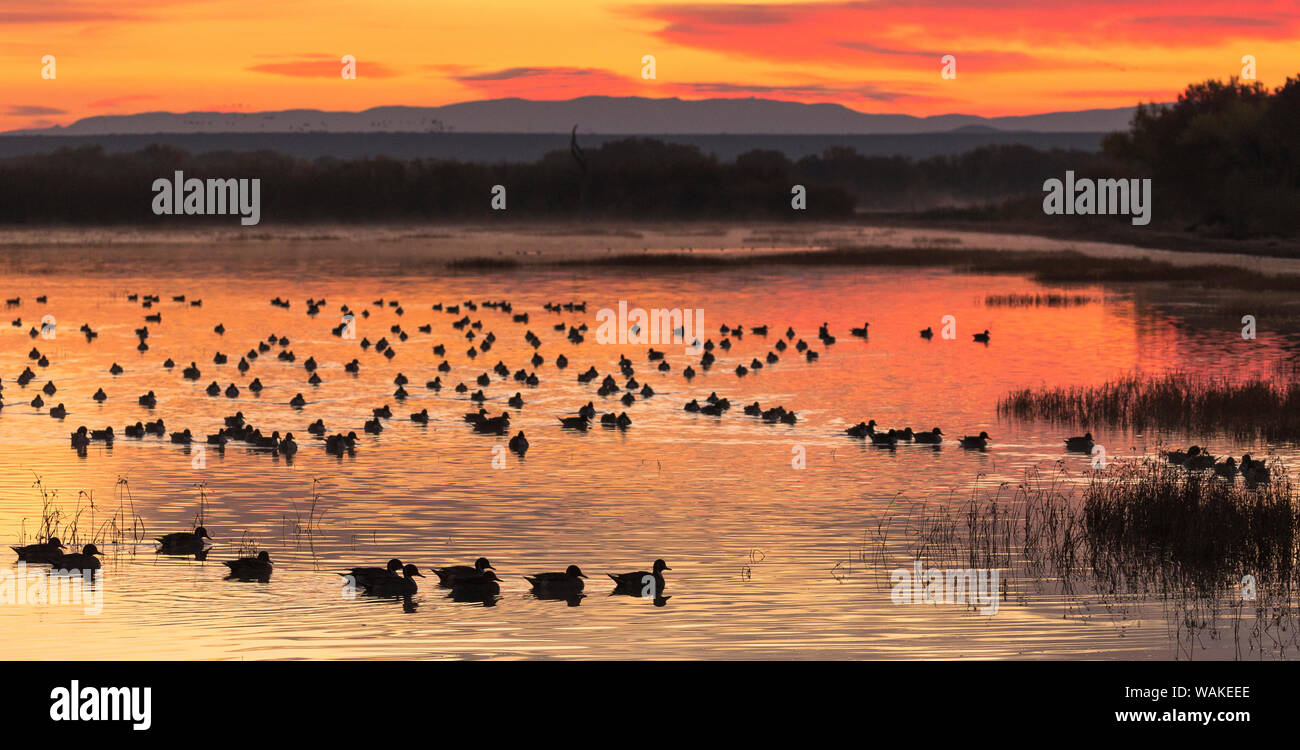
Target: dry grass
x=1251 y=409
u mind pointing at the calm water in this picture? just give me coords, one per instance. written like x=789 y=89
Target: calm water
x=753 y=542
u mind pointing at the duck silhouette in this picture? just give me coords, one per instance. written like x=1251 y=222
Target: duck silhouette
x=933 y=437
x=84 y=560
x=1080 y=443
x=976 y=442
x=366 y=576
x=449 y=575
x=641 y=583
x=557 y=585
x=392 y=584
x=48 y=552
x=476 y=587
x=250 y=568
x=1178 y=458
x=983 y=338
x=183 y=542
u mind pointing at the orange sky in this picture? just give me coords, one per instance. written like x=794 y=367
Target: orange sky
x=1013 y=56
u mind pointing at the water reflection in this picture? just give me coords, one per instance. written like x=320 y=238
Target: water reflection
x=702 y=491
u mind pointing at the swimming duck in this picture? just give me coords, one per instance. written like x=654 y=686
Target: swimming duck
x=519 y=444
x=59 y=412
x=1178 y=458
x=636 y=582
x=250 y=568
x=79 y=438
x=476 y=587
x=1255 y=472
x=366 y=576
x=862 y=429
x=983 y=338
x=48 y=552
x=579 y=422
x=926 y=333
x=1200 y=461
x=339 y=443
x=183 y=542
x=395 y=585
x=116 y=369
x=558 y=585
x=933 y=437
x=420 y=417
x=105 y=434
x=182 y=438
x=449 y=575
x=860 y=332
x=232 y=391
x=1080 y=443
x=515 y=401
x=885 y=439
x=84 y=560
x=297 y=401
x=976 y=442
x=100 y=396
x=149 y=400
x=287 y=447
x=134 y=430
x=1226 y=469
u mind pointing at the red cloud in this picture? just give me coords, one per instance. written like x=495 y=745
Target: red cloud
x=886 y=31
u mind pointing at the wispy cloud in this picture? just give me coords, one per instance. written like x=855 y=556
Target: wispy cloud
x=322 y=66
x=32 y=110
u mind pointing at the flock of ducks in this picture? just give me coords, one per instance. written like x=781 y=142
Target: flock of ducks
x=892 y=437
x=481 y=340
x=477 y=582
x=1196 y=458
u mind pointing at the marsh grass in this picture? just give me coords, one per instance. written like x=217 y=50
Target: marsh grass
x=1118 y=540
x=87 y=523
x=1038 y=300
x=1247 y=410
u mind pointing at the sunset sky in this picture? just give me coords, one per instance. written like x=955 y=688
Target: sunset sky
x=1013 y=56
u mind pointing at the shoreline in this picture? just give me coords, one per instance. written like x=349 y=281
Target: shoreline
x=405 y=248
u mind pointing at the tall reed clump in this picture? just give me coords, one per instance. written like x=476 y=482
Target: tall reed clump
x=1151 y=526
x=1038 y=300
x=1137 y=531
x=1249 y=409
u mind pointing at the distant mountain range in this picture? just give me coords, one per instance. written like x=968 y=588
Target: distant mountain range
x=594 y=114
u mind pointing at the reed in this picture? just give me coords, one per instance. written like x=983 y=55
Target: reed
x=1038 y=300
x=1248 y=409
x=1138 y=532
